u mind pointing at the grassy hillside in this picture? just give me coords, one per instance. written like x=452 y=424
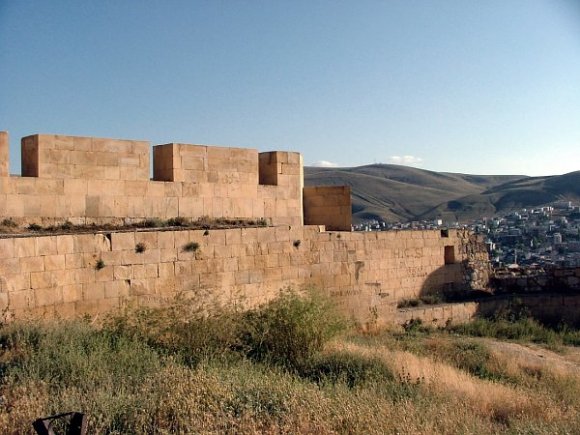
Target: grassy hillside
x=288 y=367
x=401 y=193
x=527 y=192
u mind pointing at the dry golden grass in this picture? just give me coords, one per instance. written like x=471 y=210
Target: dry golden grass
x=486 y=398
x=141 y=376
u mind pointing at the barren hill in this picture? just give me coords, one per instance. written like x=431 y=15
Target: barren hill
x=401 y=193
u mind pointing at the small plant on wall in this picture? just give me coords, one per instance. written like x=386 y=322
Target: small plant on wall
x=99 y=264
x=296 y=243
x=140 y=248
x=191 y=247
x=9 y=223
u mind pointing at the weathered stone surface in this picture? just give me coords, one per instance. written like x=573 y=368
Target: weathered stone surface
x=367 y=273
x=96 y=180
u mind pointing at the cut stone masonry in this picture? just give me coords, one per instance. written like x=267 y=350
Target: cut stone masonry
x=95 y=180
x=107 y=181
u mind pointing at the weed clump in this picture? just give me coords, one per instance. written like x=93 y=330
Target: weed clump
x=140 y=248
x=191 y=247
x=152 y=223
x=345 y=367
x=286 y=332
x=178 y=221
x=8 y=223
x=291 y=329
x=430 y=299
x=525 y=329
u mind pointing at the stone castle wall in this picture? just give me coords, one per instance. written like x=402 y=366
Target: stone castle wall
x=95 y=180
x=529 y=281
x=366 y=273
x=552 y=308
x=328 y=204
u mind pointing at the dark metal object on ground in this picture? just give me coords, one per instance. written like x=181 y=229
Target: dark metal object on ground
x=77 y=424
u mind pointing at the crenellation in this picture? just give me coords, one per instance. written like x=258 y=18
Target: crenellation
x=94 y=180
x=4 y=154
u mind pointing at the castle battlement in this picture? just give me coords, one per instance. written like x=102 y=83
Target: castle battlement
x=98 y=180
x=88 y=180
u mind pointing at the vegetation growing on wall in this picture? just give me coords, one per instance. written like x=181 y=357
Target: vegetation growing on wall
x=9 y=226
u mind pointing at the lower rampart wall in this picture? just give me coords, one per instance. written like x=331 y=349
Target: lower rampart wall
x=553 y=308
x=366 y=273
x=552 y=279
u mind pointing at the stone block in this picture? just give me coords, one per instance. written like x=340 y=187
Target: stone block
x=4 y=154
x=123 y=241
x=166 y=270
x=167 y=255
x=21 y=299
x=48 y=296
x=42 y=280
x=72 y=293
x=93 y=291
x=165 y=240
x=104 y=274
x=122 y=272
x=116 y=289
x=73 y=261
x=24 y=247
x=7 y=249
x=31 y=264
x=85 y=275
x=54 y=262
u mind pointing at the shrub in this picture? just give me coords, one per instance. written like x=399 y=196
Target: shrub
x=431 y=299
x=291 y=329
x=100 y=264
x=9 y=223
x=352 y=369
x=34 y=227
x=527 y=329
x=74 y=354
x=66 y=226
x=471 y=356
x=152 y=223
x=178 y=221
x=407 y=303
x=51 y=368
x=415 y=326
x=191 y=247
x=287 y=331
x=189 y=332
x=140 y=248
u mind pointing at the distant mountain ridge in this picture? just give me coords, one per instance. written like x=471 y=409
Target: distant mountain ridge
x=402 y=193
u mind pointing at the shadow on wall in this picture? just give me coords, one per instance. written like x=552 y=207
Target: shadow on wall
x=552 y=309
x=445 y=283
x=451 y=283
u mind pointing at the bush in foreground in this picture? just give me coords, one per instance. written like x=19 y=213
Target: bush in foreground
x=182 y=370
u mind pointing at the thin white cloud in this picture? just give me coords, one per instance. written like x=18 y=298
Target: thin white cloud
x=325 y=164
x=406 y=160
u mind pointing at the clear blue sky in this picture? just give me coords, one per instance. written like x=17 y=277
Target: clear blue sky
x=488 y=87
